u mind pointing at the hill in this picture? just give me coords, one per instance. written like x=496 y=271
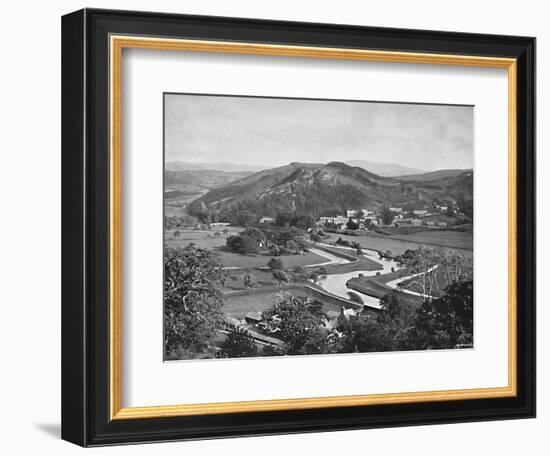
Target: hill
x=326 y=189
x=187 y=185
x=219 y=166
x=435 y=175
x=385 y=169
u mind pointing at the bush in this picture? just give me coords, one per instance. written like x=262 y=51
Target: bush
x=323 y=270
x=315 y=237
x=280 y=276
x=299 y=269
x=275 y=263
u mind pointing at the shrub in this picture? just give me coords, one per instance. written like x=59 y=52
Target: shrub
x=275 y=263
x=323 y=270
x=280 y=276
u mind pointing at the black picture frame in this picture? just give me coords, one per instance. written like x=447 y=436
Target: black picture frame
x=85 y=227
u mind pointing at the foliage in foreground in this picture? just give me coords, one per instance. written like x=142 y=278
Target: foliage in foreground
x=192 y=301
x=238 y=344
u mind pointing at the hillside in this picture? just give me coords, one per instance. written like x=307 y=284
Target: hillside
x=385 y=169
x=220 y=166
x=187 y=185
x=326 y=189
x=435 y=175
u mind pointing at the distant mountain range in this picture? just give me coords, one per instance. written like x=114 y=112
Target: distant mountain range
x=385 y=169
x=379 y=168
x=436 y=175
x=328 y=189
x=220 y=166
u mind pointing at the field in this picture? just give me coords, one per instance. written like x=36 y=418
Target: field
x=207 y=240
x=239 y=304
x=399 y=244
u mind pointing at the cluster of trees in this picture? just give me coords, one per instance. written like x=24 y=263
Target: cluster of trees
x=172 y=222
x=295 y=219
x=298 y=321
x=250 y=241
x=442 y=323
x=193 y=301
x=351 y=244
x=278 y=241
x=193 y=311
x=435 y=269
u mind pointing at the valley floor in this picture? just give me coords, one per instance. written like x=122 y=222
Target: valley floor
x=341 y=271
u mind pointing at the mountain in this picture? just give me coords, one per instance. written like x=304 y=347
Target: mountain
x=385 y=169
x=219 y=166
x=187 y=185
x=326 y=189
x=435 y=175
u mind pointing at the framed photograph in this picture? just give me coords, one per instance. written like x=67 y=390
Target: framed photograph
x=278 y=227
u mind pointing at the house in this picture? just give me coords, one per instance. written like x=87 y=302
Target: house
x=267 y=220
x=416 y=222
x=443 y=208
x=442 y=224
x=396 y=210
x=337 y=220
x=351 y=213
x=253 y=317
x=420 y=211
x=430 y=223
x=220 y=224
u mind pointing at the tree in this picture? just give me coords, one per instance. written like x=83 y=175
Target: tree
x=256 y=234
x=248 y=281
x=450 y=211
x=292 y=246
x=384 y=331
x=176 y=233
x=238 y=344
x=434 y=270
x=199 y=210
x=351 y=225
x=315 y=237
x=387 y=216
x=446 y=322
x=243 y=218
x=242 y=244
x=192 y=300
x=280 y=276
x=314 y=277
x=359 y=214
x=297 y=320
x=275 y=263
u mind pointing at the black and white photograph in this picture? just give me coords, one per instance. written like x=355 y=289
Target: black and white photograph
x=313 y=226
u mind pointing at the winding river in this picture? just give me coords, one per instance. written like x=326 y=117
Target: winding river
x=336 y=283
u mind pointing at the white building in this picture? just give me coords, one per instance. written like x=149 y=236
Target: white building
x=337 y=220
x=267 y=220
x=397 y=210
x=420 y=212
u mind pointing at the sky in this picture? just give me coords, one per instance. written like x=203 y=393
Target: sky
x=278 y=131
